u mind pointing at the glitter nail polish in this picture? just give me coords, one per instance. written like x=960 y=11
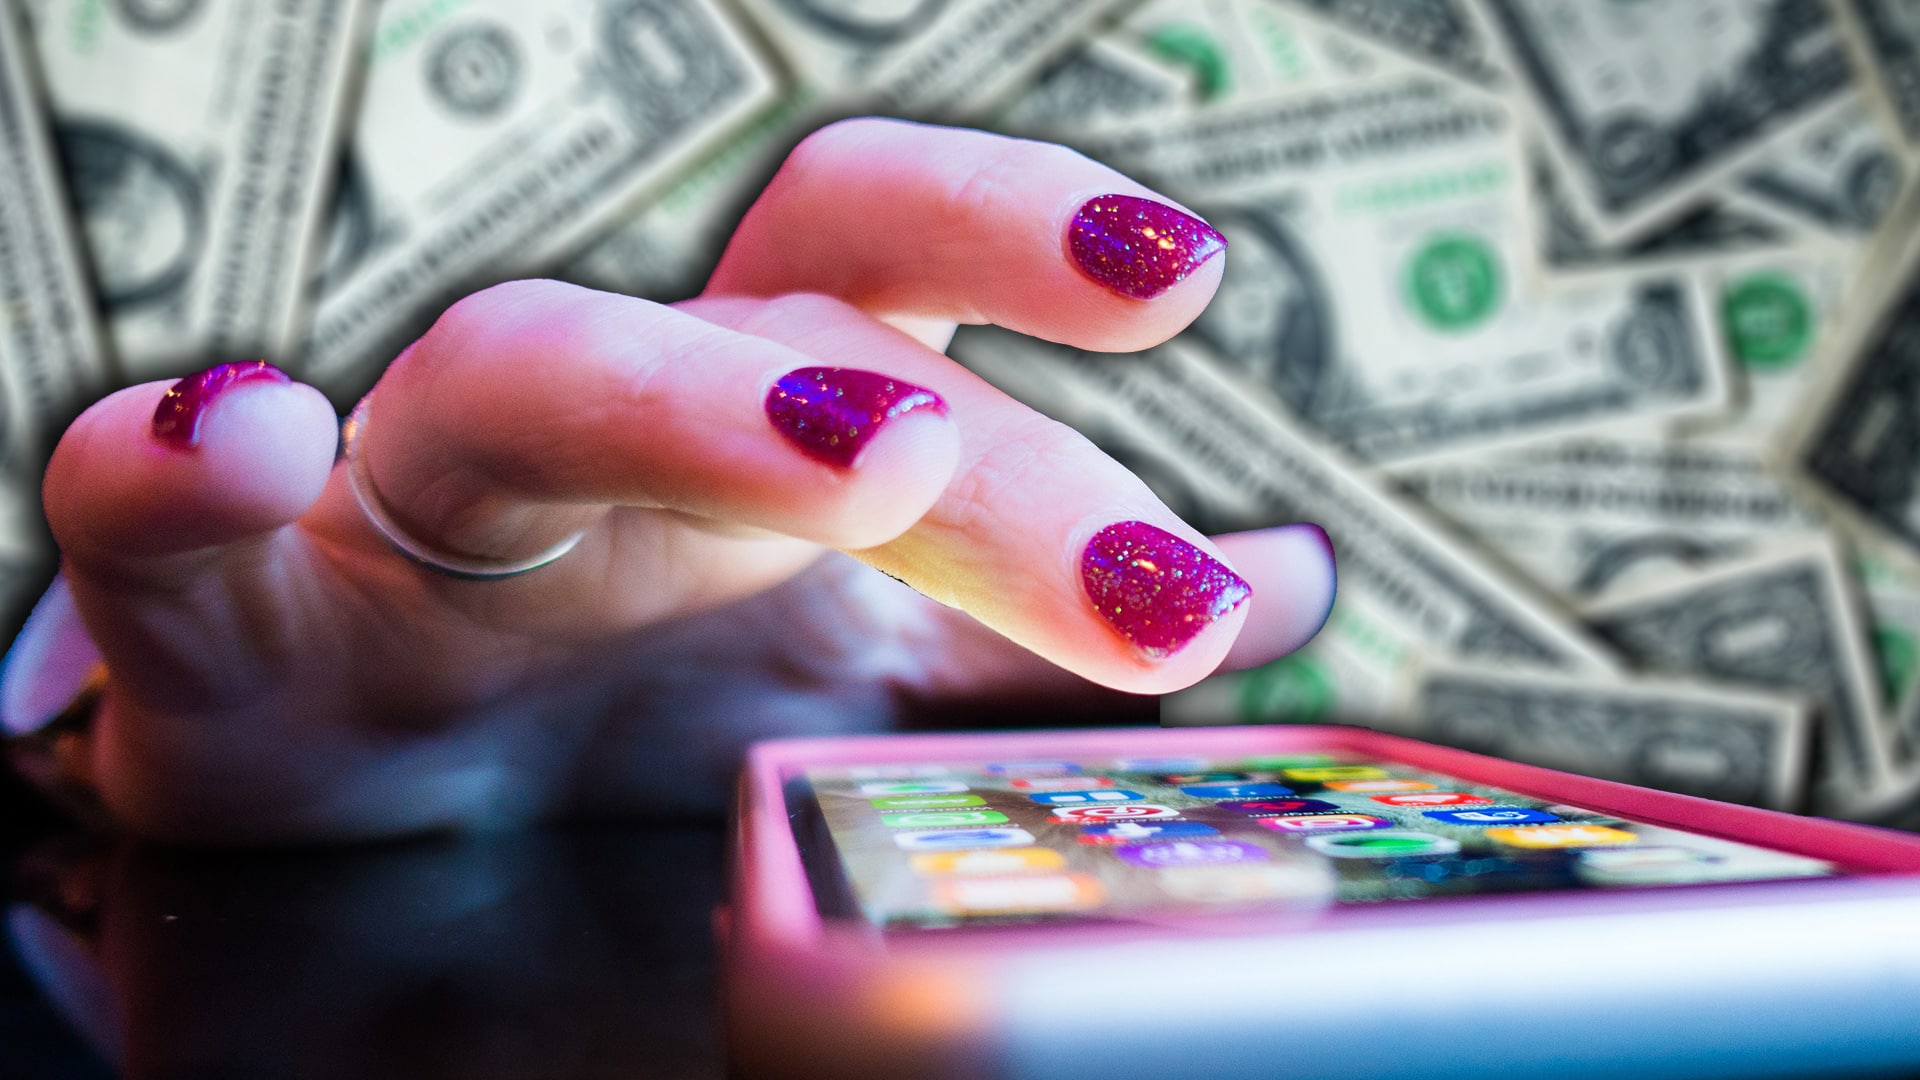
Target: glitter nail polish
x=1156 y=589
x=1138 y=247
x=832 y=413
x=176 y=421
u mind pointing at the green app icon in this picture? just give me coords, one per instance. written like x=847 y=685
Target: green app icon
x=927 y=802
x=945 y=817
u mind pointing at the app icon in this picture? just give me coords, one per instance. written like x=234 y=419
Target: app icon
x=912 y=787
x=1561 y=836
x=1011 y=895
x=1235 y=791
x=926 y=802
x=1082 y=798
x=1060 y=783
x=1023 y=860
x=1087 y=815
x=894 y=772
x=1325 y=823
x=1240 y=882
x=1382 y=845
x=934 y=819
x=962 y=839
x=1492 y=815
x=1133 y=832
x=1277 y=806
x=1159 y=764
x=1032 y=768
x=1202 y=777
x=1316 y=774
x=1368 y=787
x=1643 y=858
x=1433 y=798
x=1190 y=853
x=1266 y=762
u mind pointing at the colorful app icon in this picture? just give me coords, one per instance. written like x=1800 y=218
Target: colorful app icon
x=1277 y=806
x=1190 y=853
x=1134 y=832
x=1235 y=791
x=1084 y=798
x=1092 y=815
x=1382 y=845
x=1433 y=798
x=1159 y=764
x=1243 y=882
x=1319 y=774
x=1325 y=823
x=912 y=787
x=1268 y=762
x=1015 y=895
x=963 y=839
x=1032 y=768
x=926 y=802
x=1024 y=860
x=934 y=819
x=1491 y=815
x=1059 y=783
x=1368 y=787
x=895 y=772
x=1561 y=836
x=1202 y=777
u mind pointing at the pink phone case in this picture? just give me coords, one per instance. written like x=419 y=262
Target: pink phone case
x=807 y=996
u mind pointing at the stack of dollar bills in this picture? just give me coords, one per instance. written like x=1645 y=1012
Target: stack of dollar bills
x=1589 y=331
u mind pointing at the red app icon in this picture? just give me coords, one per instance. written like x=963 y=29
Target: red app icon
x=1060 y=783
x=1087 y=815
x=1432 y=798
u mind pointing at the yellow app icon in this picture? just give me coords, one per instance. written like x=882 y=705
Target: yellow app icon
x=1009 y=895
x=1560 y=836
x=1372 y=787
x=1019 y=860
x=1322 y=773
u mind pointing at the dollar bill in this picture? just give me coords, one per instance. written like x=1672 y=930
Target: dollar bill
x=1440 y=34
x=1238 y=49
x=1406 y=588
x=1839 y=177
x=1785 y=620
x=1738 y=745
x=1777 y=316
x=52 y=354
x=1885 y=35
x=494 y=137
x=199 y=140
x=1852 y=448
x=1646 y=107
x=1103 y=80
x=1380 y=238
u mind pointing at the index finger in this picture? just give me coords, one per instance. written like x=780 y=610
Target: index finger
x=930 y=223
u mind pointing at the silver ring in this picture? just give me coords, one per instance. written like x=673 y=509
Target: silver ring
x=464 y=567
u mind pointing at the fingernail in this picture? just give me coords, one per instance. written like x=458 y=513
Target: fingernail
x=1138 y=247
x=1156 y=589
x=176 y=421
x=832 y=413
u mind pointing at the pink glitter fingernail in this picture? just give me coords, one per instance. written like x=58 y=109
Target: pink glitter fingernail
x=832 y=413
x=1138 y=247
x=1156 y=589
x=176 y=420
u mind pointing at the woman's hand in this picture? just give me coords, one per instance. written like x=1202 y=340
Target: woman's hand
x=279 y=671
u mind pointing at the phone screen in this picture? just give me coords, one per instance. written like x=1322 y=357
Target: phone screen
x=944 y=845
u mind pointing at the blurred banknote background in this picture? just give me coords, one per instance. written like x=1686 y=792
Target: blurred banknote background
x=1589 y=329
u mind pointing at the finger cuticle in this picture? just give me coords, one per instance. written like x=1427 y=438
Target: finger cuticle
x=831 y=414
x=1155 y=589
x=1137 y=247
x=178 y=417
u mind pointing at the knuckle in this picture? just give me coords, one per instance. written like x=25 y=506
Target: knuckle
x=1031 y=455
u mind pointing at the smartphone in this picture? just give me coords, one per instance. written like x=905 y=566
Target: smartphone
x=1293 y=901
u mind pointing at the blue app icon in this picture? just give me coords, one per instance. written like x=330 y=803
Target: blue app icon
x=1234 y=791
x=1492 y=815
x=1133 y=832
x=1084 y=798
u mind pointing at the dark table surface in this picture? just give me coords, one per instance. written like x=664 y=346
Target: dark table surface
x=585 y=952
